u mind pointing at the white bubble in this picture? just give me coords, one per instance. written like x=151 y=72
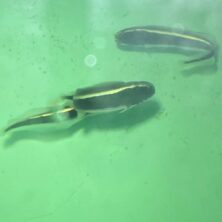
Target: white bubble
x=90 y=60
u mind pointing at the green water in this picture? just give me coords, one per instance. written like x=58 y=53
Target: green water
x=158 y=162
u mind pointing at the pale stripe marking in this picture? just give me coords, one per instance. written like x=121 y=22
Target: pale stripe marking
x=108 y=92
x=185 y=36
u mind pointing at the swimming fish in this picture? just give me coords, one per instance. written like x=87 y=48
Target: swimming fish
x=100 y=98
x=145 y=36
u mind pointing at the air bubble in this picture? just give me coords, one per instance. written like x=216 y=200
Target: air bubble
x=90 y=60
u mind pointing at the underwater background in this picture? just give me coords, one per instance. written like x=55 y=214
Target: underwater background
x=160 y=161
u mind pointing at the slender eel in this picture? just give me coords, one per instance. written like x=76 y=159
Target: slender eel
x=145 y=36
x=100 y=98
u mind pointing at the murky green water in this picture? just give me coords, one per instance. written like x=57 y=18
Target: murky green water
x=161 y=161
